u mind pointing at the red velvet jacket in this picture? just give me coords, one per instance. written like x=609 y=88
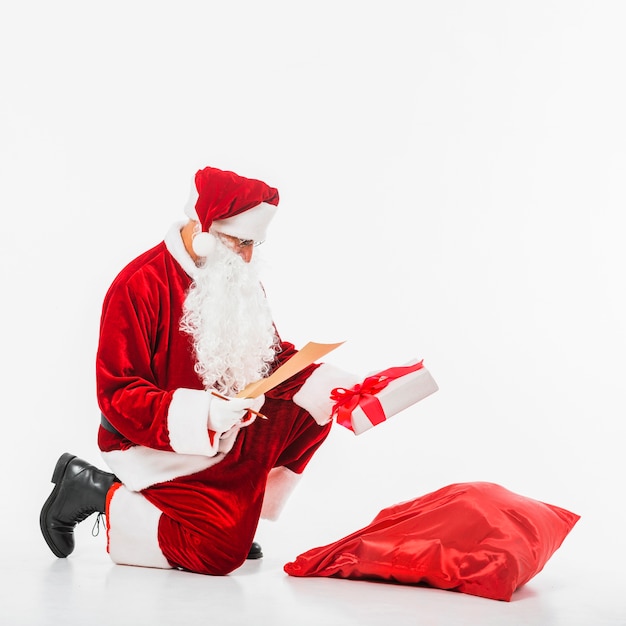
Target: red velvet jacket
x=146 y=384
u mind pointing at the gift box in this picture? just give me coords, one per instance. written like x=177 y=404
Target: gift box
x=381 y=396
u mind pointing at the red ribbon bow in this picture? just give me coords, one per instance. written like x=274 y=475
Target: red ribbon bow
x=364 y=395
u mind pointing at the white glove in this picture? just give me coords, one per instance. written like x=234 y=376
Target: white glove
x=224 y=414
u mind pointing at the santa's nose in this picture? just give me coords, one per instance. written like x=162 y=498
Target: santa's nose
x=246 y=253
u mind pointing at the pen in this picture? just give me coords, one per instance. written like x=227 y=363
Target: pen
x=221 y=397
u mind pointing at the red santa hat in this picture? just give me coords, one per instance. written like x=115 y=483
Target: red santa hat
x=231 y=204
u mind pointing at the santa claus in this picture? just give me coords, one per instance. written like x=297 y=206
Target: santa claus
x=185 y=327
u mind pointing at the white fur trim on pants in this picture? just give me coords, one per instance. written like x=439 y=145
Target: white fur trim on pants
x=133 y=530
x=280 y=483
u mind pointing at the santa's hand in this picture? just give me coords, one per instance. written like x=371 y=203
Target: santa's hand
x=254 y=410
x=224 y=413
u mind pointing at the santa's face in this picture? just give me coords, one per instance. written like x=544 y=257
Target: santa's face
x=242 y=247
x=228 y=317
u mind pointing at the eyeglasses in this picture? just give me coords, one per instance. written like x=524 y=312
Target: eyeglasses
x=246 y=243
x=237 y=242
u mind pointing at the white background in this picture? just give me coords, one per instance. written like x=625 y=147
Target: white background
x=452 y=183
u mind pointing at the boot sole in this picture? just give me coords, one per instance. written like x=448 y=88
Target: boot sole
x=57 y=478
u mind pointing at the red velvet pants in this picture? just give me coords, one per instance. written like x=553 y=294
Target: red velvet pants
x=209 y=519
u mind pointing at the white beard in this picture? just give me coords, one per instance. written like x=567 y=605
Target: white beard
x=228 y=317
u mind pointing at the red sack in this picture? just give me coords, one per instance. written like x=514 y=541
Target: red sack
x=475 y=538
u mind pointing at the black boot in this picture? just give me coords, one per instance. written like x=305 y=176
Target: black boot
x=80 y=490
x=255 y=551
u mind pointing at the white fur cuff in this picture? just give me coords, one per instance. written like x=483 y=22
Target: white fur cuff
x=187 y=423
x=314 y=395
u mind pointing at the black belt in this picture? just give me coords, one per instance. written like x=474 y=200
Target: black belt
x=104 y=422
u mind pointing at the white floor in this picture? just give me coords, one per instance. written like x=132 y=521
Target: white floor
x=86 y=588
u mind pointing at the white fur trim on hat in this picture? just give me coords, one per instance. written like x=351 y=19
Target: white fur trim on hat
x=190 y=205
x=250 y=224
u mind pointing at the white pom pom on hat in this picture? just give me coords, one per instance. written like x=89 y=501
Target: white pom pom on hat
x=203 y=243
